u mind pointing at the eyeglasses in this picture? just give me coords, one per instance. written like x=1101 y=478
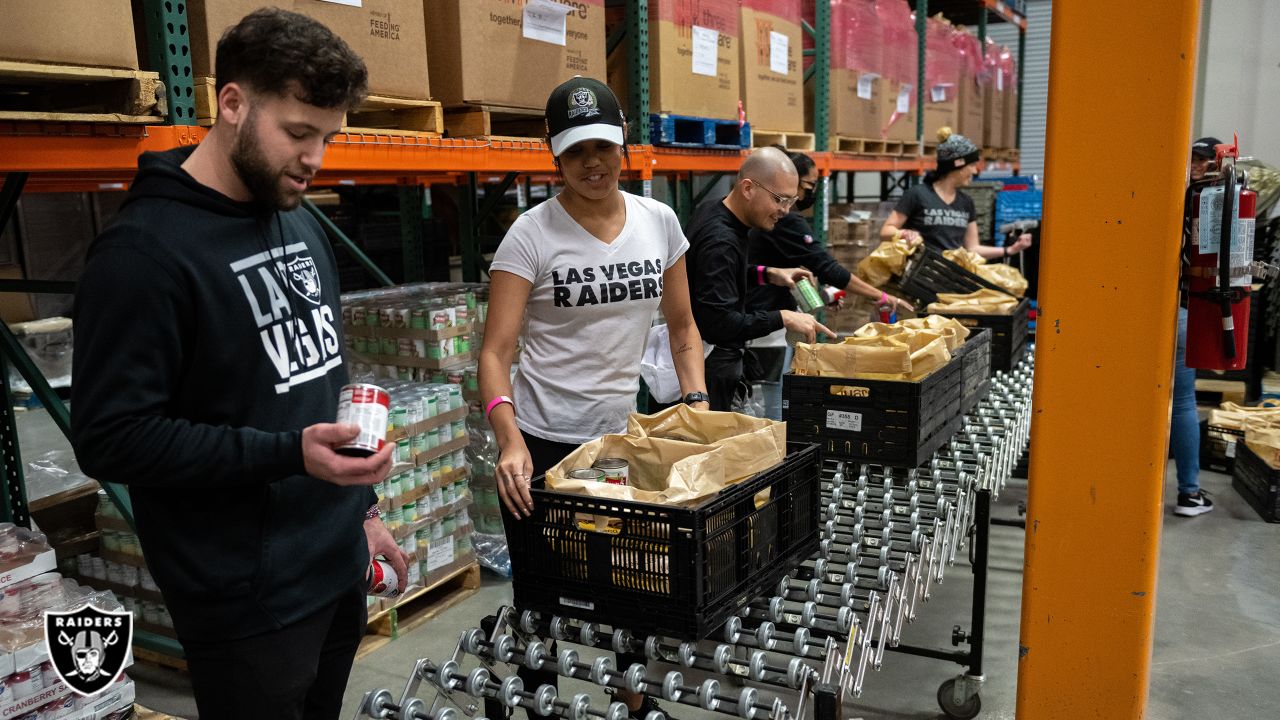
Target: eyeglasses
x=786 y=203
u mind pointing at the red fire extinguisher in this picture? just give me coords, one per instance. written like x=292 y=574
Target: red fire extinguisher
x=1220 y=217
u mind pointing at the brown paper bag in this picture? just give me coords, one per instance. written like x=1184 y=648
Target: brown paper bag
x=980 y=302
x=665 y=472
x=1233 y=416
x=748 y=445
x=1005 y=277
x=887 y=260
x=875 y=352
x=965 y=258
x=1262 y=435
x=953 y=330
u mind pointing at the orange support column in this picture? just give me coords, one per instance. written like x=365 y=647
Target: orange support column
x=1118 y=139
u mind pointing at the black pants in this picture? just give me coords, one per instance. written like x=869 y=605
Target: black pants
x=296 y=673
x=545 y=454
x=723 y=369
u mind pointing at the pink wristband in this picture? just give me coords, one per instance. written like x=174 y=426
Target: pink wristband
x=760 y=274
x=884 y=298
x=488 y=410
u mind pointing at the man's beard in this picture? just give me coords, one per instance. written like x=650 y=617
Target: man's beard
x=250 y=164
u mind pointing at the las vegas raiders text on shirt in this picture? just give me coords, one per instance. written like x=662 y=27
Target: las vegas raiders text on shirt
x=295 y=326
x=635 y=280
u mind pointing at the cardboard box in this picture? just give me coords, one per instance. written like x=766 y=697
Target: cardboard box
x=773 y=100
x=993 y=117
x=899 y=126
x=938 y=115
x=674 y=87
x=1009 y=130
x=969 y=108
x=851 y=113
x=388 y=34
x=479 y=54
x=69 y=32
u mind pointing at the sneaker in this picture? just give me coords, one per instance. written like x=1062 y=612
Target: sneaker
x=1191 y=505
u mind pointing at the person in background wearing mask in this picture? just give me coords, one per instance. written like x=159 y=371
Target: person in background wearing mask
x=1184 y=426
x=790 y=244
x=217 y=410
x=767 y=187
x=940 y=212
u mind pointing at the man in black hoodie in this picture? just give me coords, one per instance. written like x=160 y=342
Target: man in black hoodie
x=206 y=374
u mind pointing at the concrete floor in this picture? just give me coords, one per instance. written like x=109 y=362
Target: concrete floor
x=1217 y=642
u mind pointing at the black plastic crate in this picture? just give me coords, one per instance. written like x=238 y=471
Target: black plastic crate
x=897 y=423
x=1008 y=333
x=1257 y=482
x=669 y=570
x=975 y=368
x=928 y=273
x=1218 y=447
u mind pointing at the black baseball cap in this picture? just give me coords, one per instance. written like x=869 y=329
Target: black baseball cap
x=583 y=109
x=1206 y=147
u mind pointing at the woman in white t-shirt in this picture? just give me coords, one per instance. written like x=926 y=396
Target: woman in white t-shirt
x=580 y=276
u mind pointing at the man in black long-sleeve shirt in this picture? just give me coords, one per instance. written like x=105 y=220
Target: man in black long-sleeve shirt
x=791 y=243
x=765 y=191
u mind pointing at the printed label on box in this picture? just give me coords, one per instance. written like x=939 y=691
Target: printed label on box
x=779 y=45
x=1231 y=449
x=352 y=3
x=904 y=100
x=840 y=420
x=705 y=42
x=865 y=82
x=545 y=21
x=440 y=554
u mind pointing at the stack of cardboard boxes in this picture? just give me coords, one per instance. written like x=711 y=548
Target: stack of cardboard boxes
x=390 y=35
x=494 y=52
x=1000 y=99
x=772 y=76
x=872 y=69
x=695 y=63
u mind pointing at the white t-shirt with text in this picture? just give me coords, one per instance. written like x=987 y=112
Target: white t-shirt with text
x=588 y=315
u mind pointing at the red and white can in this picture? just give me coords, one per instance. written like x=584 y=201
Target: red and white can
x=369 y=407
x=383 y=581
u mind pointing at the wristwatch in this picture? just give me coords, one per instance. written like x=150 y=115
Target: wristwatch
x=696 y=397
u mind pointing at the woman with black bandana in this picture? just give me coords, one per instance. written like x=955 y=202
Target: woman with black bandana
x=791 y=244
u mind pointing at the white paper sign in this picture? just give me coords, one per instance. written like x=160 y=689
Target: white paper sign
x=705 y=43
x=352 y=3
x=778 y=48
x=904 y=100
x=865 y=83
x=938 y=93
x=440 y=553
x=1208 y=233
x=545 y=21
x=839 y=420
x=1000 y=81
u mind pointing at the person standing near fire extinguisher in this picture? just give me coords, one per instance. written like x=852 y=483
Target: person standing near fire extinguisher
x=1184 y=425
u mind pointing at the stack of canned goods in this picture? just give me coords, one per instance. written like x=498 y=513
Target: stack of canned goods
x=422 y=307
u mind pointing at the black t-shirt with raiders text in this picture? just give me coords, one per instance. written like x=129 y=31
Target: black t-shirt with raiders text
x=943 y=225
